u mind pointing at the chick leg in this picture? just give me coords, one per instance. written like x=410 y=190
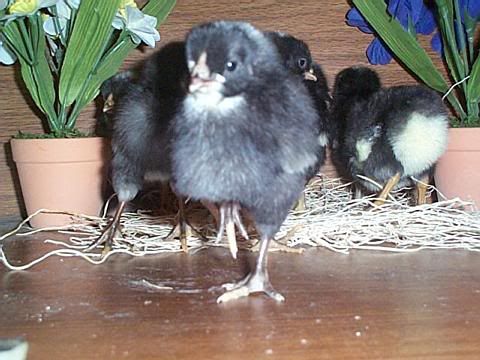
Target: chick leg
x=221 y=223
x=227 y=223
x=255 y=281
x=422 y=186
x=358 y=193
x=301 y=204
x=238 y=221
x=229 y=218
x=182 y=229
x=231 y=237
x=112 y=230
x=391 y=183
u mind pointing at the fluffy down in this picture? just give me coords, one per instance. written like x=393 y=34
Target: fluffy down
x=382 y=132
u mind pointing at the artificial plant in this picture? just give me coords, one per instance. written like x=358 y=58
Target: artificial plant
x=67 y=48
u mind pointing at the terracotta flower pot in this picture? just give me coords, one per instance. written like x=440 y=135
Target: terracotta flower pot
x=61 y=174
x=458 y=172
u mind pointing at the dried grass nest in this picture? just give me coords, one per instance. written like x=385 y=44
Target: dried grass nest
x=333 y=219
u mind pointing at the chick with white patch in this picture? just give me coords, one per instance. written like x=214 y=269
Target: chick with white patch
x=391 y=135
x=235 y=140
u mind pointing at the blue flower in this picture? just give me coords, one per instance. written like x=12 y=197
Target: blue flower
x=412 y=14
x=473 y=9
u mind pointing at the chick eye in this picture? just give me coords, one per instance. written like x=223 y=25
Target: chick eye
x=302 y=63
x=231 y=65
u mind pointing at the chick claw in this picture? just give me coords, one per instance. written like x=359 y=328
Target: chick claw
x=183 y=231
x=109 y=233
x=252 y=283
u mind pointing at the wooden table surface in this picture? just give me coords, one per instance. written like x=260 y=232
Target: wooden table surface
x=365 y=305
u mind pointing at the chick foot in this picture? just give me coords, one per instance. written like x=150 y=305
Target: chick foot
x=301 y=203
x=183 y=229
x=252 y=283
x=256 y=281
x=110 y=232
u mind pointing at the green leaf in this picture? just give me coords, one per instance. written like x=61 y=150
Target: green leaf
x=33 y=64
x=41 y=71
x=114 y=58
x=91 y=32
x=470 y=26
x=403 y=45
x=159 y=8
x=445 y=20
x=107 y=68
x=12 y=34
x=473 y=87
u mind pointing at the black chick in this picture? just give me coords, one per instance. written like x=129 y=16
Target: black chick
x=388 y=135
x=142 y=113
x=297 y=58
x=235 y=141
x=111 y=91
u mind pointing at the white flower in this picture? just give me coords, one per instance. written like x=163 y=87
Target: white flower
x=73 y=3
x=4 y=4
x=141 y=27
x=55 y=28
x=63 y=9
x=7 y=57
x=57 y=25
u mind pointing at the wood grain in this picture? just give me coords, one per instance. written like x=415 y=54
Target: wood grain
x=322 y=24
x=364 y=305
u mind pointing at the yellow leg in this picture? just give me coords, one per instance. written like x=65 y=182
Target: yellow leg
x=422 y=190
x=182 y=229
x=112 y=230
x=391 y=183
x=300 y=205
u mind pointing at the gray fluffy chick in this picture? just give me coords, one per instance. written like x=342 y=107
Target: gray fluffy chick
x=390 y=135
x=236 y=138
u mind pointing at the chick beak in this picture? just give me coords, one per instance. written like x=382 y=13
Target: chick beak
x=109 y=103
x=309 y=75
x=201 y=77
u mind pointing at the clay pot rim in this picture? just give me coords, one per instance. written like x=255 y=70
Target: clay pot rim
x=464 y=139
x=83 y=149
